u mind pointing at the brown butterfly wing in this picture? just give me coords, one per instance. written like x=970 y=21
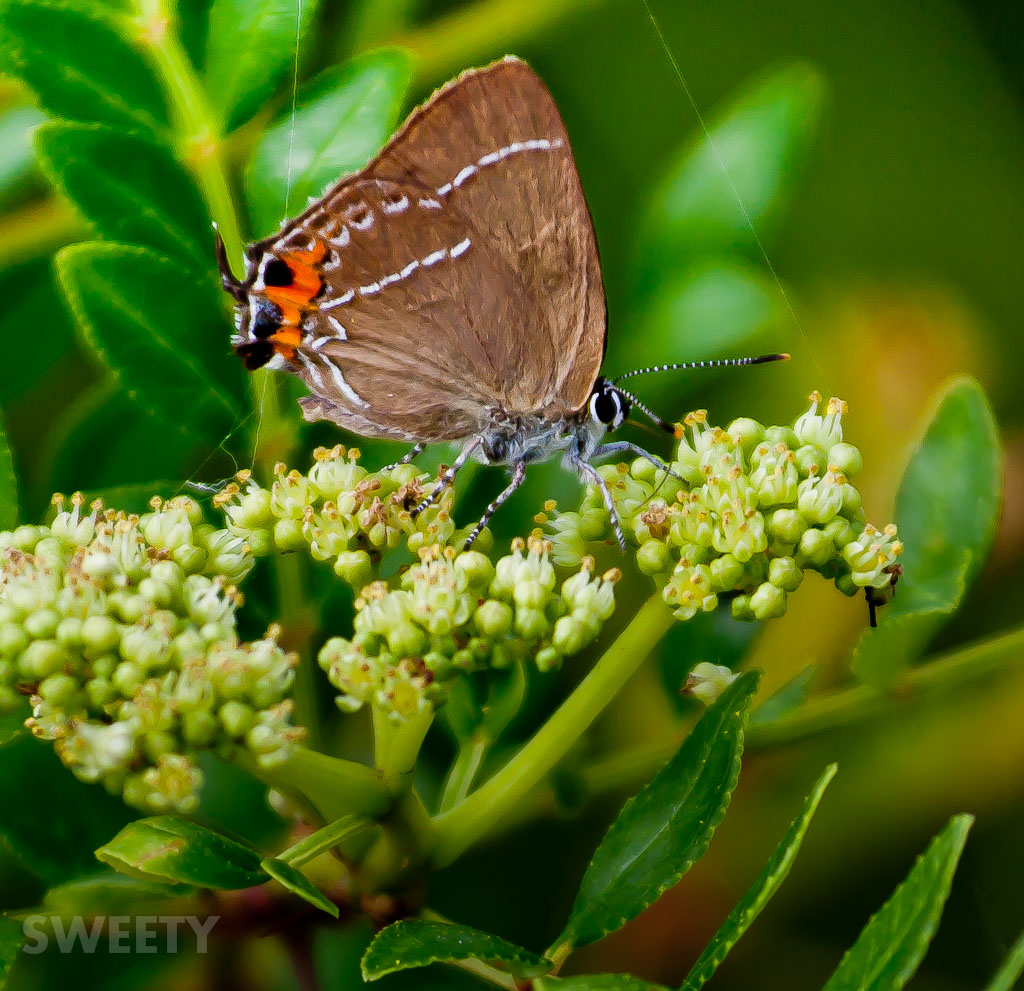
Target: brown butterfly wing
x=462 y=278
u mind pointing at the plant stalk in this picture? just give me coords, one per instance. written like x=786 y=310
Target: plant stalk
x=472 y=819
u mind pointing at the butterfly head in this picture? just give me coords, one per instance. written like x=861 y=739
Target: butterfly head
x=609 y=407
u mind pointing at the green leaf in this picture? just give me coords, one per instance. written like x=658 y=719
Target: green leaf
x=1012 y=967
x=341 y=120
x=749 y=907
x=596 y=982
x=761 y=139
x=946 y=509
x=79 y=63
x=129 y=187
x=12 y=935
x=17 y=159
x=172 y=849
x=298 y=884
x=109 y=894
x=416 y=943
x=667 y=827
x=893 y=943
x=787 y=699
x=250 y=48
x=158 y=331
x=55 y=843
x=8 y=485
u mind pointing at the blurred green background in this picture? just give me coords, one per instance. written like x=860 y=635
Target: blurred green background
x=880 y=150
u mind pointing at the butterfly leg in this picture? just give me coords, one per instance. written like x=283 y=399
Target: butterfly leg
x=406 y=458
x=518 y=474
x=621 y=446
x=594 y=475
x=448 y=477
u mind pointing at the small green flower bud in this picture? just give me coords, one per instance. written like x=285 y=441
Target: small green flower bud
x=236 y=718
x=747 y=433
x=654 y=557
x=786 y=525
x=354 y=567
x=840 y=531
x=475 y=567
x=99 y=635
x=288 y=535
x=127 y=678
x=726 y=573
x=740 y=609
x=406 y=639
x=493 y=619
x=260 y=543
x=815 y=548
x=100 y=692
x=200 y=728
x=10 y=700
x=783 y=573
x=69 y=633
x=846 y=458
x=571 y=635
x=42 y=658
x=530 y=623
x=42 y=623
x=846 y=585
x=548 y=659
x=59 y=690
x=706 y=682
x=13 y=639
x=768 y=601
x=810 y=460
x=782 y=435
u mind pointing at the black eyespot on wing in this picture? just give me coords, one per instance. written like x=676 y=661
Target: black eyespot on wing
x=255 y=354
x=277 y=273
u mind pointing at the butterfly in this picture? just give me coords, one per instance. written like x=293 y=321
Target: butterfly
x=451 y=291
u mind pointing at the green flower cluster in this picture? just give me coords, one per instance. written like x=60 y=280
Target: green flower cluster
x=456 y=612
x=757 y=508
x=121 y=630
x=338 y=512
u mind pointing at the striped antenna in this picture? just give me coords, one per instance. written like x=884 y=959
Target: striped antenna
x=669 y=428
x=710 y=363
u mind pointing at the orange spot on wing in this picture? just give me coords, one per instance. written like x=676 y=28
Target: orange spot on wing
x=288 y=337
x=307 y=282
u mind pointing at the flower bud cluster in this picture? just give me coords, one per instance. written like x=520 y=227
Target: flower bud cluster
x=120 y=632
x=338 y=511
x=456 y=612
x=753 y=508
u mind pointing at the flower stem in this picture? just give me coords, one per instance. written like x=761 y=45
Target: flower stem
x=198 y=130
x=472 y=819
x=397 y=745
x=323 y=839
x=463 y=772
x=335 y=787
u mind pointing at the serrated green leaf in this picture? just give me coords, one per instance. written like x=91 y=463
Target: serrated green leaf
x=157 y=329
x=17 y=160
x=129 y=187
x=893 y=943
x=79 y=63
x=12 y=935
x=761 y=139
x=171 y=849
x=946 y=510
x=1010 y=970
x=297 y=883
x=749 y=907
x=341 y=120
x=34 y=818
x=250 y=49
x=596 y=982
x=666 y=828
x=416 y=943
x=788 y=698
x=8 y=485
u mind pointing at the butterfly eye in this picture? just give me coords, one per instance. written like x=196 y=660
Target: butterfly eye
x=606 y=407
x=265 y=322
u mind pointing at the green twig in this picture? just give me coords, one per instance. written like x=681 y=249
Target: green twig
x=469 y=821
x=397 y=745
x=324 y=839
x=463 y=772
